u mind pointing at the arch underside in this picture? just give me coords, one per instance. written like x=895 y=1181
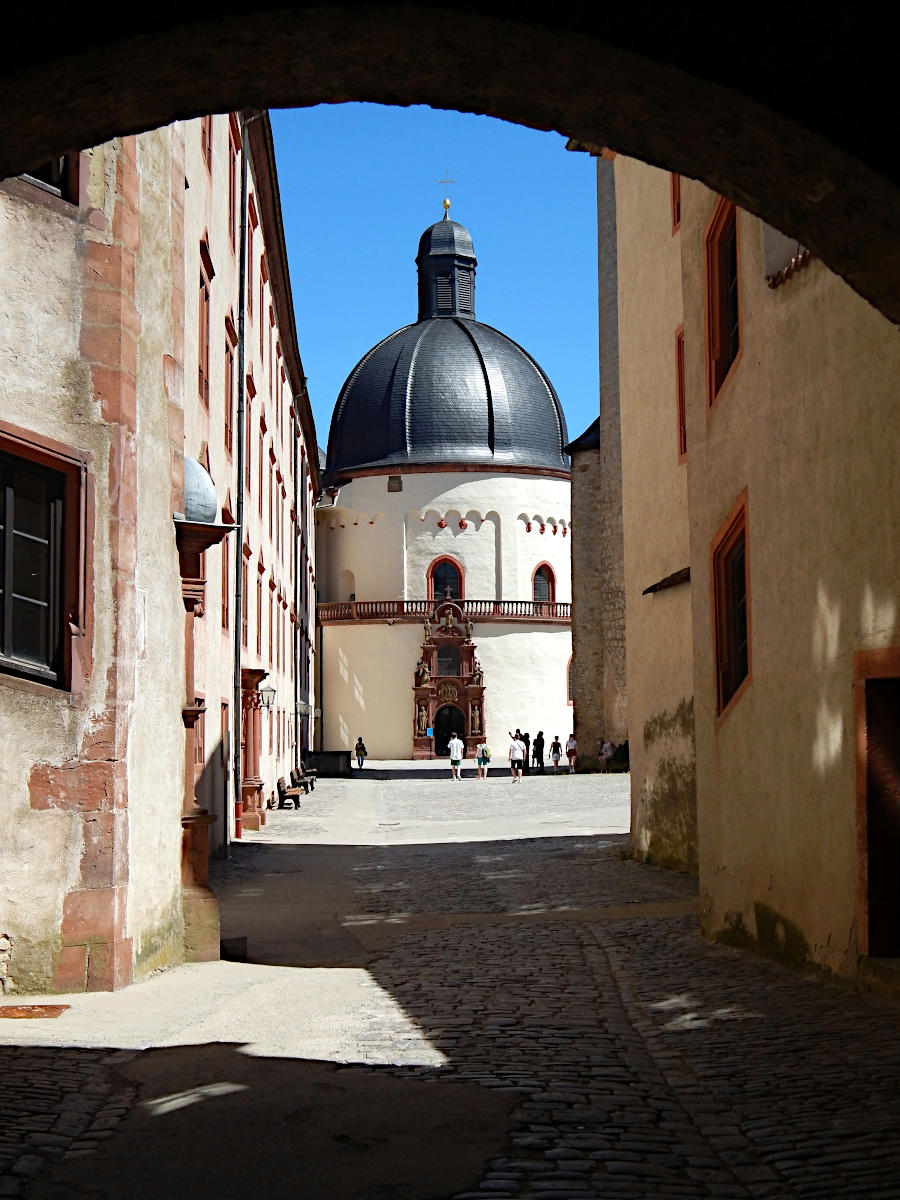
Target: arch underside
x=788 y=118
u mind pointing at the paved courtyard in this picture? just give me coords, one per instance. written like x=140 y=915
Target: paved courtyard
x=456 y=991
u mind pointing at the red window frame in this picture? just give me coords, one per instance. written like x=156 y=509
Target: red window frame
x=724 y=340
x=675 y=184
x=245 y=601
x=230 y=344
x=206 y=136
x=259 y=611
x=226 y=586
x=730 y=557
x=460 y=570
x=206 y=278
x=551 y=580
x=234 y=150
x=679 y=394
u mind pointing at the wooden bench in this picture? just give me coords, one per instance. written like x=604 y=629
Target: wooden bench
x=286 y=793
x=304 y=777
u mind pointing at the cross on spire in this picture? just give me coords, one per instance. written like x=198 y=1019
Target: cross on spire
x=446 y=181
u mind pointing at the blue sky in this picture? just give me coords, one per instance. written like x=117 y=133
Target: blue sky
x=359 y=184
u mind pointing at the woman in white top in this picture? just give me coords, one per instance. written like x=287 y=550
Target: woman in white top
x=482 y=757
x=571 y=752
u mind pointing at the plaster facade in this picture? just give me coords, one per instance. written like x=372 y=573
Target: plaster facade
x=655 y=520
x=802 y=432
x=103 y=837
x=377 y=545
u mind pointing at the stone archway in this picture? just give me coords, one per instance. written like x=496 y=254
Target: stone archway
x=789 y=120
x=447 y=720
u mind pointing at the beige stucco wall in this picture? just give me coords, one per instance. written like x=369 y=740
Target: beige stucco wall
x=369 y=672
x=206 y=215
x=808 y=425
x=46 y=388
x=156 y=739
x=655 y=520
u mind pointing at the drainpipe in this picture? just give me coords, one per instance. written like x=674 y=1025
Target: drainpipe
x=239 y=515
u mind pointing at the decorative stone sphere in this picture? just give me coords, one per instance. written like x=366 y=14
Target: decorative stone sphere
x=200 y=502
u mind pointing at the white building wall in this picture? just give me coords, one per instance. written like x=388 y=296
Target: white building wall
x=365 y=532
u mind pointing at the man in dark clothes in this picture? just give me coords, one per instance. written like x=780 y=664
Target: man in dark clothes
x=526 y=769
x=537 y=751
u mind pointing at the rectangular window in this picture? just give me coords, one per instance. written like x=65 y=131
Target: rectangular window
x=271 y=497
x=263 y=276
x=206 y=275
x=206 y=131
x=679 y=393
x=229 y=395
x=58 y=176
x=199 y=740
x=676 y=202
x=248 y=445
x=32 y=585
x=260 y=471
x=723 y=325
x=730 y=572
x=226 y=585
x=245 y=601
x=259 y=612
x=271 y=628
x=234 y=149
x=225 y=731
x=271 y=728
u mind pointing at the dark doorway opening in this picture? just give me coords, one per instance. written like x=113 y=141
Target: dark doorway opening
x=883 y=815
x=447 y=720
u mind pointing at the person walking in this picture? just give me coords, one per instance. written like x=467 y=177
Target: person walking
x=360 y=751
x=555 y=753
x=482 y=757
x=516 y=756
x=537 y=751
x=457 y=751
x=526 y=768
x=571 y=752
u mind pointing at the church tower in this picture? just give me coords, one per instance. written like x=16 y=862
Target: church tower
x=444 y=577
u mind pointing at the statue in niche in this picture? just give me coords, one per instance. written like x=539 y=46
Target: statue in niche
x=427 y=630
x=477 y=674
x=421 y=721
x=476 y=719
x=423 y=675
x=470 y=628
x=448 y=618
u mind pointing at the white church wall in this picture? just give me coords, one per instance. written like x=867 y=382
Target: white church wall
x=369 y=673
x=525 y=680
x=366 y=531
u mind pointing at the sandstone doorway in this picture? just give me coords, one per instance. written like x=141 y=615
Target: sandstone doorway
x=447 y=720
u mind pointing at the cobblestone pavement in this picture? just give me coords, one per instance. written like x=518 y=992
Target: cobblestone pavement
x=639 y=1061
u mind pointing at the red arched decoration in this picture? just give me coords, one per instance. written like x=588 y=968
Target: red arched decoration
x=551 y=582
x=458 y=567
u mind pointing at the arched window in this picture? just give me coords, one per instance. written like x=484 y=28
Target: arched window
x=543 y=585
x=444 y=573
x=448 y=660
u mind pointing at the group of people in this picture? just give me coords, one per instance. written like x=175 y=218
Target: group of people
x=521 y=748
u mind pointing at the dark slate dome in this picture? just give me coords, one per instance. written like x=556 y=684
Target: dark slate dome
x=447 y=389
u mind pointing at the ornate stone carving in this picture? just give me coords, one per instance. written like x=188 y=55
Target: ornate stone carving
x=448 y=691
x=421 y=720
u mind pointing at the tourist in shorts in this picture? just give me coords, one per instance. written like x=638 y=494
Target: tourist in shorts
x=555 y=753
x=457 y=751
x=516 y=757
x=482 y=757
x=571 y=752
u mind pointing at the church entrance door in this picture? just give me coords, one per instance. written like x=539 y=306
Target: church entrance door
x=447 y=720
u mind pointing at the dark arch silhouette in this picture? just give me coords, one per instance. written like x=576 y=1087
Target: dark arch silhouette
x=786 y=113
x=447 y=720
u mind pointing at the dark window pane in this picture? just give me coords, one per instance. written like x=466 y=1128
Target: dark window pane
x=29 y=631
x=448 y=660
x=31 y=513
x=31 y=568
x=444 y=575
x=541 y=587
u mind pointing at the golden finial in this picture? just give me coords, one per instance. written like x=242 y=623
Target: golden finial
x=446 y=208
x=446 y=181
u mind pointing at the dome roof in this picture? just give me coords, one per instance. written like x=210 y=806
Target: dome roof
x=447 y=389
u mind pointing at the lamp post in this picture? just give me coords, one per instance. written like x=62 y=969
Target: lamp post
x=267 y=696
